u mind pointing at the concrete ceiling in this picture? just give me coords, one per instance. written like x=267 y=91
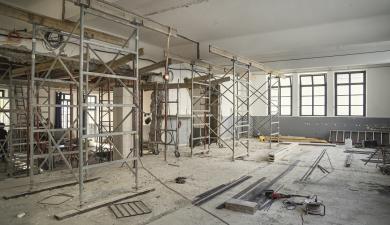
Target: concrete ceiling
x=215 y=19
x=270 y=30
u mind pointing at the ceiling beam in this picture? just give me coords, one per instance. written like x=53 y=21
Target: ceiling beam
x=197 y=63
x=118 y=12
x=67 y=26
x=241 y=59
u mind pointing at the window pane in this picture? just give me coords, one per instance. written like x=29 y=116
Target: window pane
x=285 y=101
x=285 y=110
x=319 y=90
x=285 y=91
x=356 y=89
x=307 y=100
x=319 y=100
x=342 y=100
x=274 y=81
x=343 y=90
x=356 y=110
x=285 y=81
x=357 y=78
x=319 y=79
x=307 y=91
x=342 y=110
x=319 y=110
x=306 y=110
x=274 y=92
x=343 y=78
x=306 y=80
x=357 y=100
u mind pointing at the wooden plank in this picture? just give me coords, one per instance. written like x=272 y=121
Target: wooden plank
x=45 y=66
x=151 y=86
x=113 y=64
x=67 y=26
x=197 y=79
x=66 y=184
x=319 y=144
x=154 y=66
x=100 y=204
x=292 y=139
x=241 y=206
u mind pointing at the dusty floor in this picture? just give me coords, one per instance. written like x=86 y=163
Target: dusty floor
x=355 y=195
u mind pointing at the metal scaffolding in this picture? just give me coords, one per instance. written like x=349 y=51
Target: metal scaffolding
x=231 y=85
x=129 y=87
x=200 y=109
x=36 y=141
x=233 y=131
x=268 y=92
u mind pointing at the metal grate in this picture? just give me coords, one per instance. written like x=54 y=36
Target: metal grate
x=127 y=209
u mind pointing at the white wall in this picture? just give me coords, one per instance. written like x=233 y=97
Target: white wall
x=378 y=92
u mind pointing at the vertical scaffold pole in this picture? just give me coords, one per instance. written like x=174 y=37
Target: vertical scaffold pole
x=31 y=108
x=80 y=106
x=209 y=110
x=234 y=108
x=192 y=109
x=137 y=113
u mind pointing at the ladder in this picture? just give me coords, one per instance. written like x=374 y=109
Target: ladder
x=171 y=133
x=19 y=129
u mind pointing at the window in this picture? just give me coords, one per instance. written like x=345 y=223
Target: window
x=285 y=97
x=92 y=113
x=351 y=93
x=4 y=106
x=313 y=95
x=65 y=111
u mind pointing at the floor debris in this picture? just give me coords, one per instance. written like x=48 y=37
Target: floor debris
x=127 y=209
x=180 y=180
x=20 y=215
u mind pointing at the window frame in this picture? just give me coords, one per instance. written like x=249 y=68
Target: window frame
x=3 y=115
x=280 y=96
x=312 y=85
x=67 y=101
x=349 y=84
x=91 y=109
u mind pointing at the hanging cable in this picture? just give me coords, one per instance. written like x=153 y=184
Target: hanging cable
x=166 y=74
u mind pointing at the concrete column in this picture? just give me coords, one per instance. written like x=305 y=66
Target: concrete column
x=123 y=142
x=330 y=94
x=295 y=94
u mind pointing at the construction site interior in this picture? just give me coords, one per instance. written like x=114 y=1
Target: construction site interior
x=194 y=112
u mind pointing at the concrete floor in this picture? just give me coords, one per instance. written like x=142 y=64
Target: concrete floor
x=356 y=195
